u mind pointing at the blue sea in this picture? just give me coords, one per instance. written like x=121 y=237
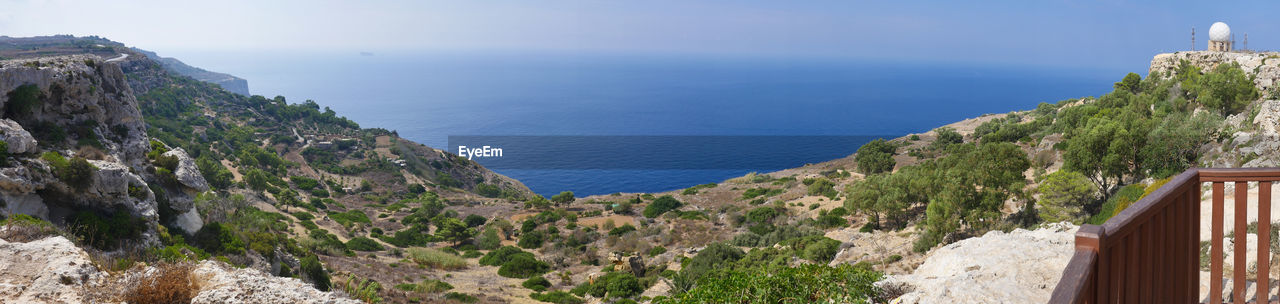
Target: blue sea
x=799 y=110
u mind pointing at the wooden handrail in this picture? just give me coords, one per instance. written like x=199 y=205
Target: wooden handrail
x=1150 y=252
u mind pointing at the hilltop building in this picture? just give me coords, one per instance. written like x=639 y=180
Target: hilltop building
x=1220 y=37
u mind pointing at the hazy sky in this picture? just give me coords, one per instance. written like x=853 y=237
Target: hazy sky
x=1059 y=33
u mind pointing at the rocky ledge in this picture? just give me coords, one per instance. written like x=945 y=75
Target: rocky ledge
x=1022 y=266
x=54 y=270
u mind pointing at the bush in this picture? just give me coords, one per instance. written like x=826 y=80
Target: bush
x=77 y=172
x=661 y=205
x=531 y=240
x=475 y=220
x=487 y=190
x=217 y=239
x=502 y=256
x=489 y=239
x=434 y=258
x=876 y=156
x=655 y=251
x=1063 y=196
x=105 y=233
x=558 y=297
x=312 y=269
x=536 y=283
x=22 y=101
x=622 y=230
x=461 y=297
x=304 y=183
x=715 y=256
x=812 y=283
x=523 y=266
x=425 y=286
x=169 y=283
x=349 y=217
x=364 y=244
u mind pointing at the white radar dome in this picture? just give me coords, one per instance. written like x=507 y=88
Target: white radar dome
x=1219 y=32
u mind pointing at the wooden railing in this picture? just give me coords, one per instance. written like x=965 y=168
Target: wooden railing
x=1150 y=252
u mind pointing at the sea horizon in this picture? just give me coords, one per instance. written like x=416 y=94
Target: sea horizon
x=427 y=97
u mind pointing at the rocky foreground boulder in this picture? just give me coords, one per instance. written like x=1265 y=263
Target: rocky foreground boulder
x=1022 y=266
x=54 y=270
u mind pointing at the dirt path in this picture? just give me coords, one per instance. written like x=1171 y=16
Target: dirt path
x=235 y=173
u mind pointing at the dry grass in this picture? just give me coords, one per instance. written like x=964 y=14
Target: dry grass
x=431 y=257
x=90 y=152
x=23 y=228
x=169 y=283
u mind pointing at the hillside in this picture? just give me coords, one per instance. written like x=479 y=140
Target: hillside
x=129 y=168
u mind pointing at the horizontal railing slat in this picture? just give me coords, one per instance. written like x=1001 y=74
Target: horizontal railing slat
x=1150 y=252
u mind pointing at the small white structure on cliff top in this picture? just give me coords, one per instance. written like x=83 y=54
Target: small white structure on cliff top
x=1220 y=37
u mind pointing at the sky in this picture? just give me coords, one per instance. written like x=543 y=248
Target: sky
x=1049 y=33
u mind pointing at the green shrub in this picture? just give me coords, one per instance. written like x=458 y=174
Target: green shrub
x=502 y=256
x=489 y=239
x=655 y=251
x=364 y=244
x=304 y=183
x=536 y=283
x=22 y=101
x=715 y=256
x=760 y=192
x=487 y=190
x=523 y=266
x=434 y=258
x=349 y=217
x=4 y=153
x=425 y=286
x=77 y=172
x=661 y=205
x=622 y=230
x=531 y=240
x=105 y=232
x=461 y=297
x=558 y=297
x=811 y=283
x=217 y=239
x=312 y=269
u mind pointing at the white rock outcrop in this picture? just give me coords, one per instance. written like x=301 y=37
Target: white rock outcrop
x=187 y=172
x=222 y=284
x=50 y=270
x=18 y=139
x=54 y=270
x=1017 y=267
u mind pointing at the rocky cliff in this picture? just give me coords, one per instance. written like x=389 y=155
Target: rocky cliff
x=226 y=81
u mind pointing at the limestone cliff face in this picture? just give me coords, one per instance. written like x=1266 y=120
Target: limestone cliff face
x=83 y=101
x=1265 y=66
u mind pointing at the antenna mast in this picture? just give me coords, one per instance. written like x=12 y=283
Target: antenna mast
x=1246 y=41
x=1193 y=38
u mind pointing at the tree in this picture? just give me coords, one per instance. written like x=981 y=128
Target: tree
x=1173 y=145
x=256 y=179
x=563 y=198
x=489 y=239
x=538 y=202
x=876 y=156
x=661 y=205
x=475 y=220
x=454 y=230
x=1130 y=83
x=1226 y=88
x=946 y=137
x=1104 y=151
x=1063 y=196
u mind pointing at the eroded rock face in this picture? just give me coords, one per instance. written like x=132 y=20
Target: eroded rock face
x=51 y=270
x=18 y=139
x=221 y=284
x=1017 y=267
x=187 y=172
